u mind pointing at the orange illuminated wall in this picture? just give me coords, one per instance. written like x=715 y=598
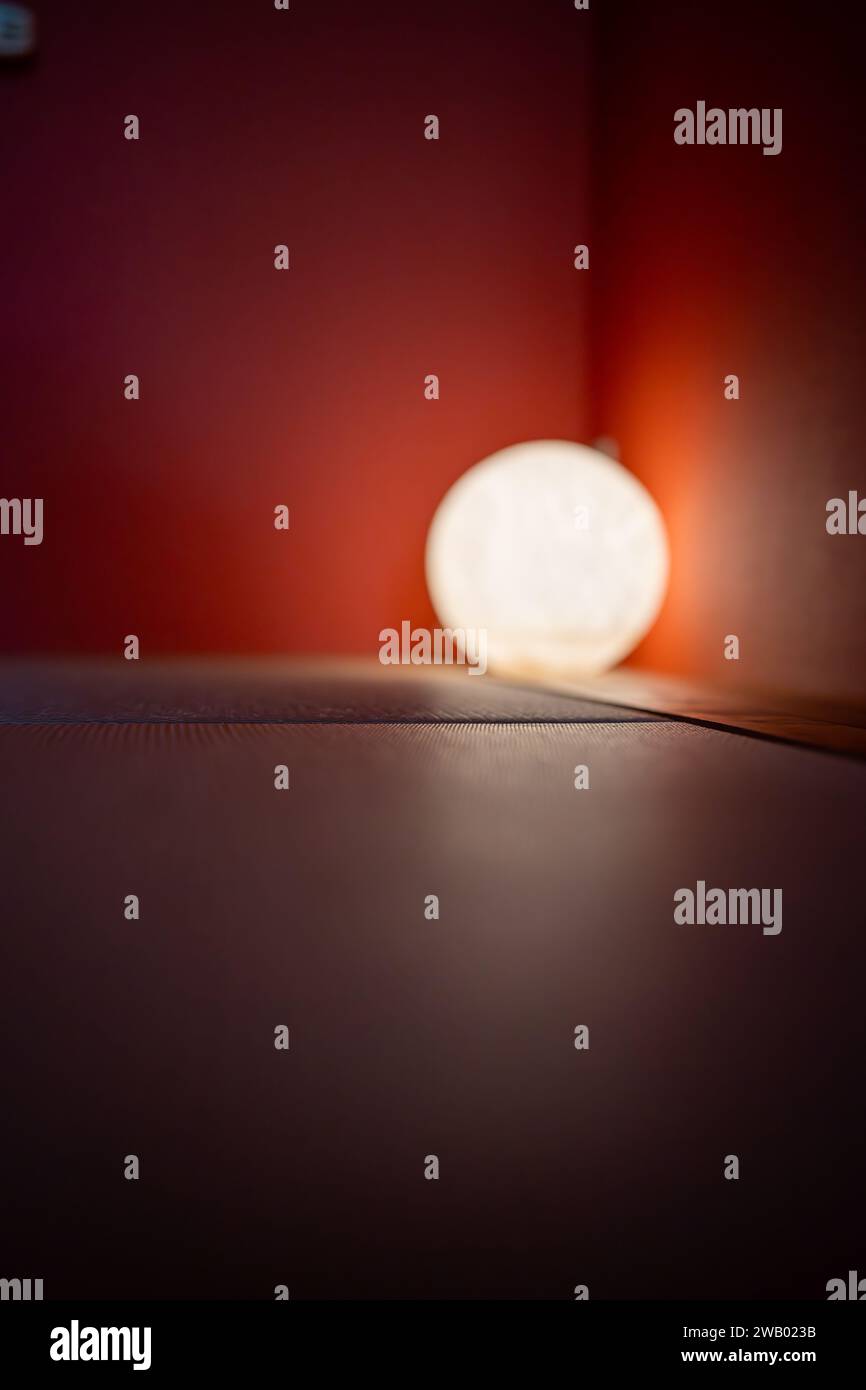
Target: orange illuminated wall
x=711 y=261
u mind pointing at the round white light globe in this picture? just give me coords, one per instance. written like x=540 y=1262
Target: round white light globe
x=556 y=550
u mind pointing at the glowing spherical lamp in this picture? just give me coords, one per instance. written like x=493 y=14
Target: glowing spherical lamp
x=556 y=550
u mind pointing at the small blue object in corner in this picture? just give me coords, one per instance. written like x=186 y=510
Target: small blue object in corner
x=17 y=31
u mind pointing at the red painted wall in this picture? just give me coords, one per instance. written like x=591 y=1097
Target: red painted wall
x=411 y=257
x=258 y=387
x=721 y=260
